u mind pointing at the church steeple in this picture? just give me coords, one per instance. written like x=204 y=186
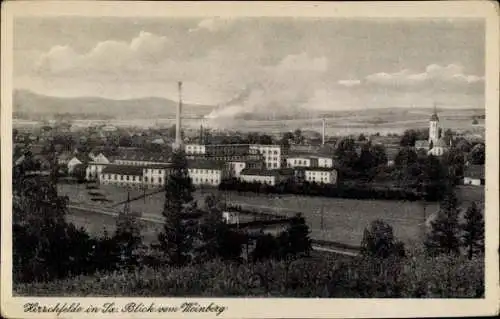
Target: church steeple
x=434 y=116
x=434 y=127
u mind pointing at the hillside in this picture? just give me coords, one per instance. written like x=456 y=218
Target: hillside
x=29 y=104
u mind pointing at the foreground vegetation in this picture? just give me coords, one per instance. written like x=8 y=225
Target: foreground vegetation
x=416 y=276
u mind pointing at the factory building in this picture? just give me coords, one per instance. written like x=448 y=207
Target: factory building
x=273 y=155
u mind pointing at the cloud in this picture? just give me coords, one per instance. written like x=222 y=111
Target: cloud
x=349 y=83
x=109 y=55
x=434 y=75
x=212 y=24
x=303 y=62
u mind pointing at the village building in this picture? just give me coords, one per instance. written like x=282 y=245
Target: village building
x=265 y=176
x=206 y=172
x=151 y=176
x=321 y=175
x=436 y=144
x=308 y=160
x=235 y=167
x=474 y=175
x=274 y=155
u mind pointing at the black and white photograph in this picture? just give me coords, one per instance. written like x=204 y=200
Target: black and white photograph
x=205 y=156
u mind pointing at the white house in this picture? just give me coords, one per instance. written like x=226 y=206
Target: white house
x=155 y=175
x=265 y=176
x=206 y=172
x=235 y=168
x=191 y=149
x=272 y=154
x=120 y=175
x=73 y=163
x=134 y=175
x=474 y=175
x=301 y=161
x=321 y=175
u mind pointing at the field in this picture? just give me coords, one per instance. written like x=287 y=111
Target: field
x=343 y=220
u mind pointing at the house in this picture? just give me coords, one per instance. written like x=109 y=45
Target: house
x=234 y=168
x=421 y=145
x=121 y=175
x=273 y=155
x=264 y=176
x=78 y=160
x=150 y=176
x=156 y=175
x=194 y=149
x=321 y=175
x=140 y=157
x=206 y=172
x=64 y=158
x=298 y=159
x=474 y=175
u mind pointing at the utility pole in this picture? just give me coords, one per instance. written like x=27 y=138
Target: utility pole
x=126 y=209
x=322 y=222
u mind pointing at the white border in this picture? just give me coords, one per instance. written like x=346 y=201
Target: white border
x=260 y=307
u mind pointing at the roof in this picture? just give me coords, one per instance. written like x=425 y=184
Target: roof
x=422 y=144
x=123 y=170
x=158 y=141
x=142 y=155
x=205 y=164
x=84 y=158
x=434 y=117
x=474 y=171
x=258 y=172
x=296 y=154
x=320 y=169
x=441 y=143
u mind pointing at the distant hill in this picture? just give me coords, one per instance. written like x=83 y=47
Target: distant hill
x=29 y=104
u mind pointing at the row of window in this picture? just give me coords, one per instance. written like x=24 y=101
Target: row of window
x=202 y=171
x=115 y=177
x=272 y=165
x=200 y=180
x=264 y=181
x=322 y=180
x=317 y=173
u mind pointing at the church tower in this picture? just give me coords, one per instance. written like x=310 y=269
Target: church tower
x=434 y=127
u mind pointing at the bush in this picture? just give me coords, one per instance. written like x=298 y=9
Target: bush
x=415 y=276
x=326 y=190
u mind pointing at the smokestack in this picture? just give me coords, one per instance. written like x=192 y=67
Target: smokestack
x=323 y=132
x=178 y=140
x=201 y=133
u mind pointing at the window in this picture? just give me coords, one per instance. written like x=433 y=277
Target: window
x=146 y=179
x=128 y=177
x=121 y=177
x=275 y=152
x=159 y=180
x=152 y=180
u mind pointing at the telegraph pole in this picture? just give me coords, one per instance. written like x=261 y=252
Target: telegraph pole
x=322 y=223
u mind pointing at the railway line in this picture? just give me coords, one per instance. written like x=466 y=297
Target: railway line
x=323 y=246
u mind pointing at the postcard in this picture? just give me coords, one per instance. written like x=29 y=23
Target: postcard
x=249 y=159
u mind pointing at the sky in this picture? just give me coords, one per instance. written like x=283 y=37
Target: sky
x=254 y=64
